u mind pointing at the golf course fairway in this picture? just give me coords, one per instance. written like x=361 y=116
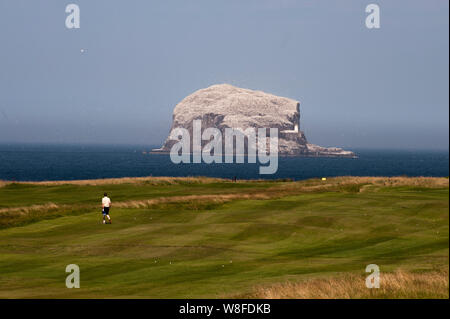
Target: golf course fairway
x=214 y=238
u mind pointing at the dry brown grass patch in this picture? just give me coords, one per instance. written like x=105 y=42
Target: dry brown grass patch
x=125 y=180
x=312 y=183
x=215 y=199
x=397 y=285
x=395 y=181
x=28 y=209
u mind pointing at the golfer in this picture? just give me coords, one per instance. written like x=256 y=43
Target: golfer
x=106 y=204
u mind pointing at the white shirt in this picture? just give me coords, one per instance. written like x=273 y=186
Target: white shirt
x=106 y=201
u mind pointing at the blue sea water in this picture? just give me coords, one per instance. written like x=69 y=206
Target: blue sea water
x=21 y=162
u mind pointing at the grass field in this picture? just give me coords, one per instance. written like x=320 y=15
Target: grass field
x=211 y=238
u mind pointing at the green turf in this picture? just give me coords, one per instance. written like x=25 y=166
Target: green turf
x=16 y=195
x=174 y=251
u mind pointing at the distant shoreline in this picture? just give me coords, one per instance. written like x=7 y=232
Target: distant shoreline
x=206 y=180
x=279 y=155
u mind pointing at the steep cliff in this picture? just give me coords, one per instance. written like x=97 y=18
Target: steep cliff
x=225 y=106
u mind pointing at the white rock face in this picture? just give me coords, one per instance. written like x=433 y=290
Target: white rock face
x=239 y=107
x=226 y=106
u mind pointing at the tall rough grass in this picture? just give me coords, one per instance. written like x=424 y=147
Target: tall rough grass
x=381 y=181
x=397 y=285
x=125 y=180
x=397 y=181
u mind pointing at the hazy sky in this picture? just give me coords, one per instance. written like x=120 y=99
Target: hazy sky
x=358 y=87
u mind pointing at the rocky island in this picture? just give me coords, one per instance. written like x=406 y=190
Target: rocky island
x=225 y=106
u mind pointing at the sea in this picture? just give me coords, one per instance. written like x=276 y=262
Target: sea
x=32 y=162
